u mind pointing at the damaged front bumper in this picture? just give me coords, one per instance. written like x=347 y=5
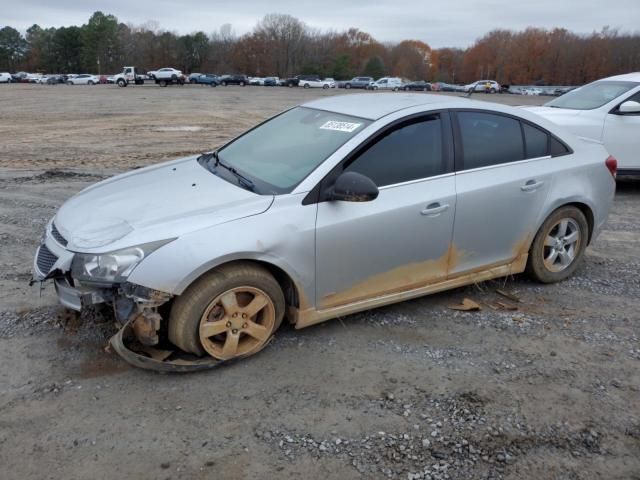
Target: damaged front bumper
x=76 y=298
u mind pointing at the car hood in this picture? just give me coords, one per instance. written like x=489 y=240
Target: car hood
x=154 y=203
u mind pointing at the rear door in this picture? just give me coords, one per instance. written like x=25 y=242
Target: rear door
x=400 y=240
x=621 y=137
x=502 y=181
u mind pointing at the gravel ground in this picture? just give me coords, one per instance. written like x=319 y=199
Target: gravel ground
x=410 y=391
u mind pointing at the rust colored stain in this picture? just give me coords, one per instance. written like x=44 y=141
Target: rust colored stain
x=406 y=277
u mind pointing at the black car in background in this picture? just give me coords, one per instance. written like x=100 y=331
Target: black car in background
x=241 y=80
x=295 y=81
x=56 y=79
x=418 y=86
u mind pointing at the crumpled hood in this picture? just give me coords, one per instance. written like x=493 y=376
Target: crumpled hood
x=154 y=203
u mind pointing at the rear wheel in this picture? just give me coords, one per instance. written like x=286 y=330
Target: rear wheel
x=348 y=85
x=558 y=248
x=224 y=84
x=242 y=84
x=162 y=83
x=231 y=312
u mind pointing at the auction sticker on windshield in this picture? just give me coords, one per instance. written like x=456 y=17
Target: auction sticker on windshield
x=340 y=126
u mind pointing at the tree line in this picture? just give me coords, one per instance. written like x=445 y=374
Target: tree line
x=283 y=45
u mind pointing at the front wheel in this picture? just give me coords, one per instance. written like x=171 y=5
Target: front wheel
x=232 y=311
x=558 y=247
x=162 y=83
x=122 y=83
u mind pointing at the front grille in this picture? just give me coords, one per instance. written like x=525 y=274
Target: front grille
x=45 y=259
x=58 y=236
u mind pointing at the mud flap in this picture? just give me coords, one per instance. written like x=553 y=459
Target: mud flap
x=156 y=359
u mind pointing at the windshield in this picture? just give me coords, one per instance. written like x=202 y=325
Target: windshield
x=592 y=96
x=281 y=152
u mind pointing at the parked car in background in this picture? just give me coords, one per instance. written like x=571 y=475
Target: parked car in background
x=531 y=91
x=165 y=74
x=84 y=79
x=5 y=77
x=484 y=86
x=293 y=202
x=193 y=77
x=33 y=77
x=445 y=87
x=256 y=81
x=56 y=79
x=607 y=110
x=18 y=77
x=210 y=79
x=317 y=83
x=358 y=82
x=271 y=82
x=387 y=83
x=420 y=86
x=241 y=80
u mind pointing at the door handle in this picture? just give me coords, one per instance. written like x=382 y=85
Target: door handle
x=531 y=186
x=434 y=209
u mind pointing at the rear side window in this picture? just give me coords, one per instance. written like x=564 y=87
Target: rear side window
x=410 y=152
x=536 y=141
x=489 y=139
x=557 y=148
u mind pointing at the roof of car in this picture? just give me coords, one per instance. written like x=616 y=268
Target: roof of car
x=376 y=105
x=627 y=77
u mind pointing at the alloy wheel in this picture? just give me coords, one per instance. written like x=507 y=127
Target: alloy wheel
x=236 y=323
x=561 y=245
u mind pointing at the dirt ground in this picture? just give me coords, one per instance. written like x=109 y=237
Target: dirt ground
x=412 y=391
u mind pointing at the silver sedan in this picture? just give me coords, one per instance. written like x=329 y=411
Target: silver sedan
x=337 y=206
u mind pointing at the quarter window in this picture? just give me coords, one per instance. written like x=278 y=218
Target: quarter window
x=489 y=139
x=409 y=152
x=536 y=141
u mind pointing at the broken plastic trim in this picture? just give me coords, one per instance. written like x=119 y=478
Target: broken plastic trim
x=156 y=359
x=160 y=360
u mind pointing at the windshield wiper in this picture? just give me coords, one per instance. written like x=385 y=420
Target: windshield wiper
x=242 y=180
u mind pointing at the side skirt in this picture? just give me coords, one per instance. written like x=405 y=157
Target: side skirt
x=311 y=316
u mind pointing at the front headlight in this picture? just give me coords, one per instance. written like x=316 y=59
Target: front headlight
x=112 y=267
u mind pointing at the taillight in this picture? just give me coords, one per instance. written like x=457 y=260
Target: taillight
x=612 y=165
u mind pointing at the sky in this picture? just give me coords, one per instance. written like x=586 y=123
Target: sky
x=447 y=23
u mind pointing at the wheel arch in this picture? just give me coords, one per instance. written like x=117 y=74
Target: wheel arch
x=293 y=293
x=581 y=205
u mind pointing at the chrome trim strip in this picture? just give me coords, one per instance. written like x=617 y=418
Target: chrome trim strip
x=518 y=162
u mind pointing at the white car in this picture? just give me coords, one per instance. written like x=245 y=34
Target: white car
x=5 y=77
x=326 y=83
x=387 y=83
x=532 y=91
x=84 y=79
x=607 y=110
x=488 y=86
x=165 y=74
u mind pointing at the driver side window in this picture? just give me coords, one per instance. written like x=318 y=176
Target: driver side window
x=411 y=151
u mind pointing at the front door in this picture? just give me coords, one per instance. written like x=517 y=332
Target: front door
x=400 y=240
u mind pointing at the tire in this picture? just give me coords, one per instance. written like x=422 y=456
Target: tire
x=121 y=83
x=347 y=86
x=493 y=90
x=325 y=87
x=425 y=89
x=306 y=85
x=395 y=89
x=224 y=84
x=242 y=84
x=69 y=82
x=202 y=301
x=213 y=84
x=192 y=81
x=162 y=83
x=90 y=82
x=542 y=264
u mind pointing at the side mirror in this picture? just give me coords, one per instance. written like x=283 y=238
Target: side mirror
x=629 y=107
x=354 y=187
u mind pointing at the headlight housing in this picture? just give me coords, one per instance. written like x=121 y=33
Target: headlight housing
x=112 y=267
